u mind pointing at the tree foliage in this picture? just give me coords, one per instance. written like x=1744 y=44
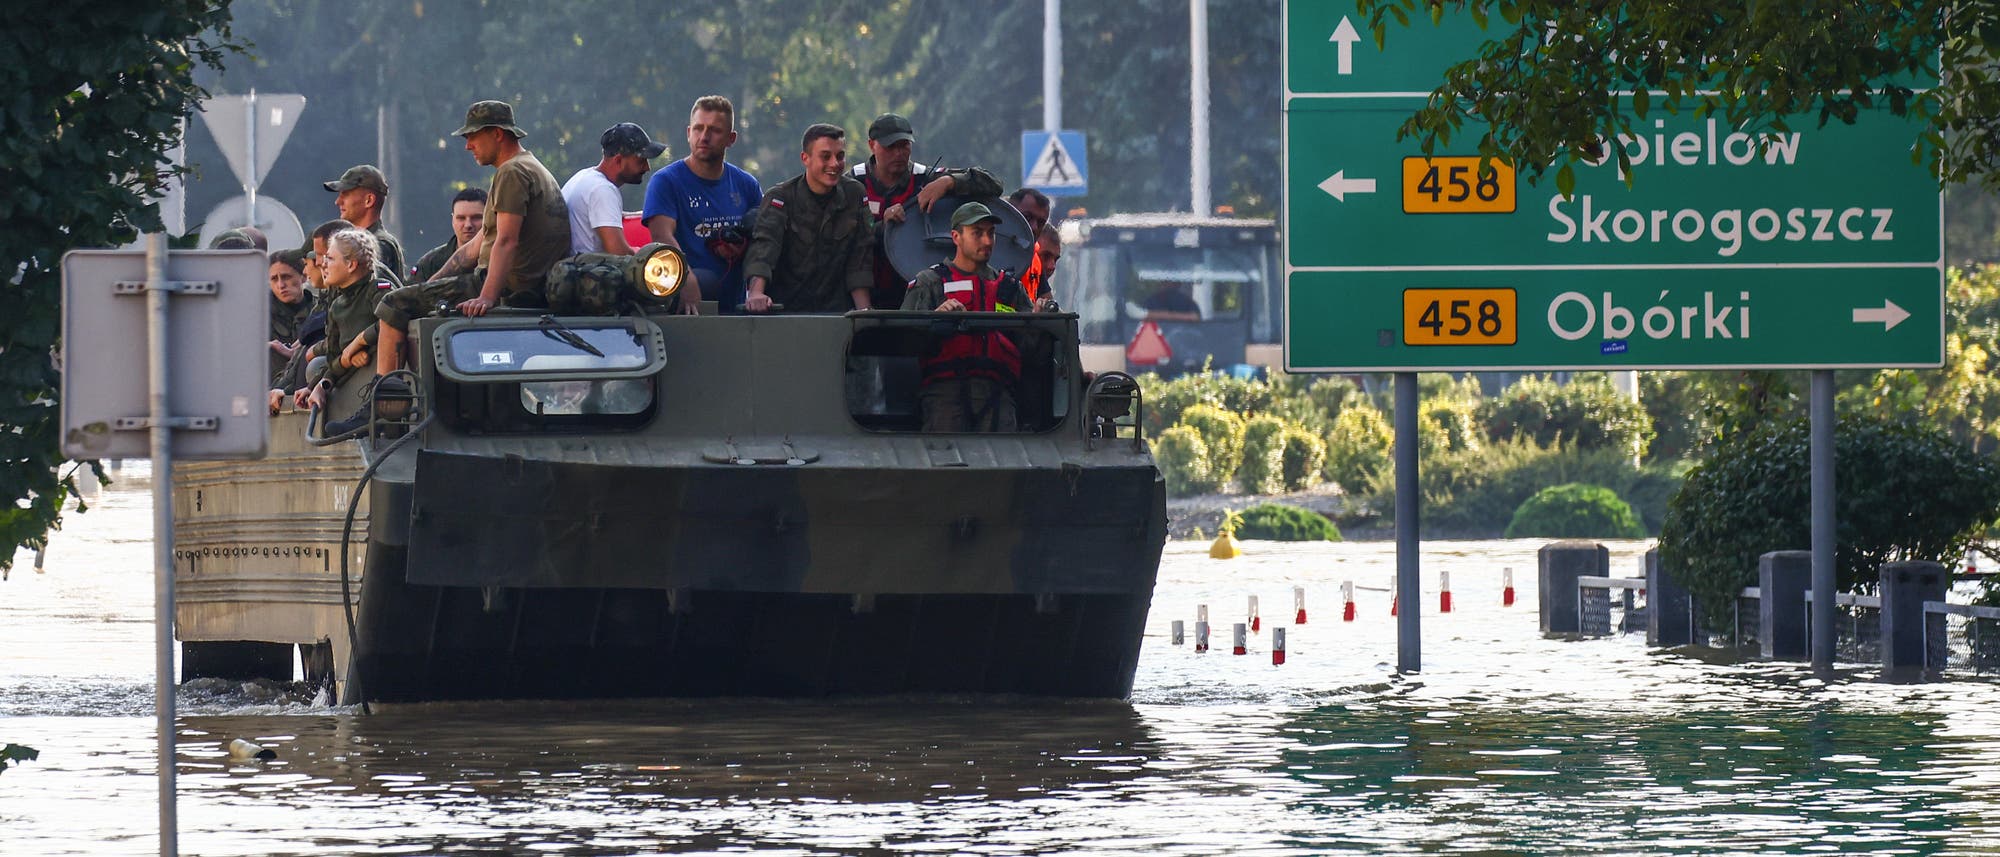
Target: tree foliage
x=1556 y=78
x=969 y=78
x=1904 y=492
x=91 y=98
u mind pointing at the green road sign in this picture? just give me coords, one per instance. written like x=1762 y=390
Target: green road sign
x=1829 y=239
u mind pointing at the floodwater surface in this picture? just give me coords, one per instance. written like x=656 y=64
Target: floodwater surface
x=1505 y=743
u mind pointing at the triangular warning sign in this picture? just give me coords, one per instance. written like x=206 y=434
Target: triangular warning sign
x=232 y=123
x=1148 y=347
x=1054 y=167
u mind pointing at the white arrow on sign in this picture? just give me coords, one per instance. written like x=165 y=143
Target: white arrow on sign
x=1339 y=186
x=1346 y=36
x=1888 y=315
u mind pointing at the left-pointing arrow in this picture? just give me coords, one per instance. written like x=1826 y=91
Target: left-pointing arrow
x=1339 y=186
x=1888 y=315
x=1345 y=36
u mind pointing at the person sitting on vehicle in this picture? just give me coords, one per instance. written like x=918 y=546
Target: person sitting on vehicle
x=968 y=380
x=241 y=238
x=702 y=205
x=525 y=231
x=893 y=184
x=1034 y=208
x=1171 y=302
x=288 y=306
x=812 y=249
x=468 y=211
x=596 y=211
x=359 y=195
x=1048 y=251
x=349 y=261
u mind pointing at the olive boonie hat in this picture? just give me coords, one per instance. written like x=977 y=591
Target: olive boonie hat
x=890 y=129
x=626 y=138
x=365 y=176
x=972 y=212
x=490 y=114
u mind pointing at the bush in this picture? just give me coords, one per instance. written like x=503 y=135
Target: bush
x=1905 y=493
x=1575 y=511
x=1222 y=431
x=1262 y=468
x=1358 y=449
x=1303 y=456
x=1474 y=493
x=1449 y=425
x=1277 y=522
x=1184 y=461
x=1587 y=411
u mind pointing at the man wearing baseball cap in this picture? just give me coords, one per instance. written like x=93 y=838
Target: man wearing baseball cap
x=893 y=183
x=359 y=195
x=596 y=209
x=526 y=230
x=968 y=381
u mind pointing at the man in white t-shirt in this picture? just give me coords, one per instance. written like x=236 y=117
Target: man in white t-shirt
x=596 y=209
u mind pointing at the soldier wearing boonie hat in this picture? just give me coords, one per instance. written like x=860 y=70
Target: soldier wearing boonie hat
x=526 y=230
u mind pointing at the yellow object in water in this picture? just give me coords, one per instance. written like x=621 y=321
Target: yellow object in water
x=1224 y=547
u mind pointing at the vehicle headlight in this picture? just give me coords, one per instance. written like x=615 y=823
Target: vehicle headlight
x=664 y=271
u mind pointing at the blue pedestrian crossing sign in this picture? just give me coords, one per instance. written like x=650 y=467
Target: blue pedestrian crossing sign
x=1055 y=163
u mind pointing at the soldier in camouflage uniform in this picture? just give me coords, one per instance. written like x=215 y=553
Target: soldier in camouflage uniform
x=813 y=248
x=359 y=195
x=288 y=306
x=969 y=378
x=468 y=212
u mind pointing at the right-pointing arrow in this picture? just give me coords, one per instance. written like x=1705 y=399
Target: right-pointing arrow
x=1345 y=35
x=1888 y=315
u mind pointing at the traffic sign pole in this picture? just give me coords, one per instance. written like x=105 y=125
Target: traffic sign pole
x=1409 y=571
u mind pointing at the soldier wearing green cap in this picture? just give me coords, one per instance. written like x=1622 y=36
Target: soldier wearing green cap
x=359 y=195
x=969 y=379
x=526 y=230
x=893 y=184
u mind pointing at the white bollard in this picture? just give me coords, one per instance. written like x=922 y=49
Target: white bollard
x=1256 y=621
x=1239 y=639
x=1277 y=647
x=1180 y=632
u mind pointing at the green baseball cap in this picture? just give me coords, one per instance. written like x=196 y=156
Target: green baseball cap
x=972 y=212
x=365 y=176
x=490 y=114
x=890 y=129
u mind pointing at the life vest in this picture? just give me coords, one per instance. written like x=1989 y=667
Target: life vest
x=880 y=200
x=1031 y=279
x=989 y=355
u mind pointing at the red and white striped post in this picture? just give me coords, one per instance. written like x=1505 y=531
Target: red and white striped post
x=1506 y=587
x=1444 y=592
x=1277 y=647
x=1201 y=628
x=1299 y=605
x=1256 y=621
x=1239 y=644
x=1347 y=601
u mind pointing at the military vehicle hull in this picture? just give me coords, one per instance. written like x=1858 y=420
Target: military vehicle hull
x=802 y=537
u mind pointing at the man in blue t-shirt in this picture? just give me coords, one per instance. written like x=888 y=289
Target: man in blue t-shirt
x=699 y=203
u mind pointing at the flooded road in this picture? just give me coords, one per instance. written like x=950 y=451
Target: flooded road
x=1506 y=743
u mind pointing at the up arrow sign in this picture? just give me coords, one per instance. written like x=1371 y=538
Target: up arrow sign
x=1339 y=186
x=1888 y=315
x=1345 y=35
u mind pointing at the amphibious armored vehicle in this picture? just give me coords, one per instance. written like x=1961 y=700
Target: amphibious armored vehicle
x=651 y=504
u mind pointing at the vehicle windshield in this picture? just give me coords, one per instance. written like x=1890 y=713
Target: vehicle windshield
x=501 y=351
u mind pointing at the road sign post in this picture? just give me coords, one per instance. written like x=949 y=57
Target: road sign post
x=1727 y=247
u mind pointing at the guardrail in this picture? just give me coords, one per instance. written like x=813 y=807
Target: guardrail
x=1908 y=634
